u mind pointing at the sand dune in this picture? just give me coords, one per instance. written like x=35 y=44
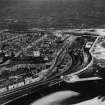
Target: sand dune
x=59 y=98
x=55 y=98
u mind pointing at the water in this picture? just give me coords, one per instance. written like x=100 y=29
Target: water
x=55 y=13
x=87 y=90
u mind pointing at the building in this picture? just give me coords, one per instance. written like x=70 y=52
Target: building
x=89 y=44
x=36 y=53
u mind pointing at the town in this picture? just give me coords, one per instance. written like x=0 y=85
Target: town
x=34 y=58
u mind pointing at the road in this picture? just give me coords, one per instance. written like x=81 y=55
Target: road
x=60 y=55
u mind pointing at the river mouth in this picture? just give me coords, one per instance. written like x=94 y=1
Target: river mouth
x=91 y=86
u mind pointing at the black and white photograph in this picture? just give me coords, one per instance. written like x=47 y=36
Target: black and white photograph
x=52 y=52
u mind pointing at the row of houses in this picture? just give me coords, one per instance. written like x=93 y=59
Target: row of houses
x=27 y=81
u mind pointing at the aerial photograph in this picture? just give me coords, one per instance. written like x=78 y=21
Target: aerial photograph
x=52 y=52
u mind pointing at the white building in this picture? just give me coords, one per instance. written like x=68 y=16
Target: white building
x=89 y=44
x=36 y=53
